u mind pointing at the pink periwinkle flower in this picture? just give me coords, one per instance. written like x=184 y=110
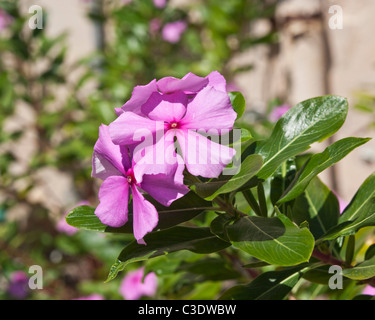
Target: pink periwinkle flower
x=133 y=288
x=369 y=290
x=180 y=109
x=113 y=164
x=160 y=3
x=5 y=19
x=232 y=87
x=63 y=227
x=18 y=286
x=342 y=204
x=173 y=31
x=278 y=112
x=154 y=26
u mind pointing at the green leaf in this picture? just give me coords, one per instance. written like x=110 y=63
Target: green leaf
x=281 y=180
x=318 y=163
x=308 y=122
x=219 y=224
x=276 y=240
x=272 y=285
x=319 y=206
x=350 y=248
x=181 y=210
x=362 y=271
x=197 y=240
x=362 y=207
x=211 y=269
x=359 y=213
x=238 y=103
x=249 y=167
x=370 y=252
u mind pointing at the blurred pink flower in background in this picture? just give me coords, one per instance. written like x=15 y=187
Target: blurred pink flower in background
x=94 y=296
x=133 y=288
x=18 y=285
x=154 y=26
x=369 y=290
x=278 y=112
x=125 y=2
x=63 y=227
x=173 y=31
x=160 y=3
x=232 y=87
x=5 y=20
x=343 y=204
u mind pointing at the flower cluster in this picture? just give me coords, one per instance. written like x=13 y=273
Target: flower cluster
x=159 y=132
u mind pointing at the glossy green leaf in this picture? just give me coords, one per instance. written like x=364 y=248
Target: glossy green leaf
x=362 y=271
x=272 y=285
x=249 y=167
x=370 y=252
x=197 y=240
x=308 y=122
x=359 y=213
x=319 y=206
x=183 y=209
x=318 y=163
x=211 y=269
x=273 y=240
x=238 y=102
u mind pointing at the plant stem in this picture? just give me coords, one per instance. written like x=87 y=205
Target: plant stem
x=327 y=258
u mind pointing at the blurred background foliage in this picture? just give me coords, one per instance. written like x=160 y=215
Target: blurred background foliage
x=65 y=114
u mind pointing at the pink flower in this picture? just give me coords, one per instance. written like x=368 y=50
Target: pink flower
x=173 y=31
x=63 y=227
x=232 y=87
x=160 y=3
x=342 y=204
x=278 y=112
x=114 y=165
x=369 y=290
x=18 y=286
x=126 y=2
x=5 y=20
x=180 y=108
x=94 y=296
x=154 y=26
x=133 y=288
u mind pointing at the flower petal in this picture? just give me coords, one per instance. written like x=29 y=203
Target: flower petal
x=210 y=109
x=150 y=284
x=131 y=285
x=166 y=188
x=114 y=197
x=216 y=80
x=145 y=216
x=158 y=158
x=189 y=83
x=129 y=128
x=108 y=158
x=139 y=96
x=166 y=107
x=202 y=156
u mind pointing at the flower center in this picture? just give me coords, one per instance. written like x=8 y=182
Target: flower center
x=174 y=125
x=130 y=176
